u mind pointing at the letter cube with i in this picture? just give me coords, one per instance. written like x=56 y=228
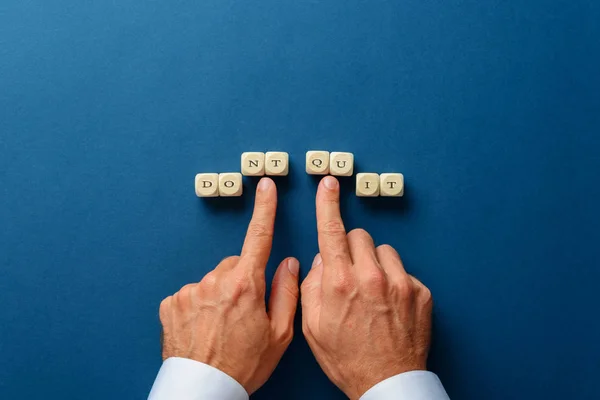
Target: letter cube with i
x=207 y=185
x=276 y=163
x=367 y=184
x=230 y=184
x=253 y=164
x=341 y=164
x=391 y=185
x=317 y=162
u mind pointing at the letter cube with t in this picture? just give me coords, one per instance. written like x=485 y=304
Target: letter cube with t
x=317 y=162
x=391 y=185
x=253 y=164
x=276 y=163
x=230 y=184
x=367 y=184
x=341 y=164
x=207 y=185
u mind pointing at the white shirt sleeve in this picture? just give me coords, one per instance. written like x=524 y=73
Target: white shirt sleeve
x=184 y=379
x=414 y=385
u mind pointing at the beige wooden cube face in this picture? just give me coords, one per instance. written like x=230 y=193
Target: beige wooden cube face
x=230 y=184
x=341 y=164
x=367 y=185
x=391 y=185
x=276 y=163
x=207 y=185
x=317 y=162
x=253 y=164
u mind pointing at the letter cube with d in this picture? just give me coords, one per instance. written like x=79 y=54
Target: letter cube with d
x=207 y=185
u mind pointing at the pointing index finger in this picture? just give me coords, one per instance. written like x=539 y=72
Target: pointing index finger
x=259 y=238
x=333 y=244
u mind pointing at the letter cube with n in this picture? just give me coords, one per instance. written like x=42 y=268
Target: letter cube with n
x=253 y=164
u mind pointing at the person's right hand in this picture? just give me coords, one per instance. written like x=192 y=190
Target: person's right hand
x=364 y=317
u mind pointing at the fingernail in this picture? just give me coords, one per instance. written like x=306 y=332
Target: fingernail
x=317 y=260
x=264 y=184
x=294 y=266
x=330 y=182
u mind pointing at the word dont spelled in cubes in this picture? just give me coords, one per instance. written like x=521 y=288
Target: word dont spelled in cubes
x=229 y=184
x=213 y=185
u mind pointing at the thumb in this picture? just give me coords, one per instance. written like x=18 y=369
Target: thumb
x=284 y=297
x=311 y=288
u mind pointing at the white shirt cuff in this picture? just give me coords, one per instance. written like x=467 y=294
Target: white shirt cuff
x=414 y=385
x=184 y=379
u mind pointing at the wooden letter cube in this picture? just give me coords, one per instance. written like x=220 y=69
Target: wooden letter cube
x=367 y=185
x=230 y=184
x=391 y=185
x=207 y=185
x=253 y=164
x=341 y=164
x=317 y=162
x=276 y=163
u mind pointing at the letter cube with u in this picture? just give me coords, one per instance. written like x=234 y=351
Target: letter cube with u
x=341 y=164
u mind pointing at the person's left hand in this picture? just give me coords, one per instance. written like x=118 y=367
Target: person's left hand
x=223 y=321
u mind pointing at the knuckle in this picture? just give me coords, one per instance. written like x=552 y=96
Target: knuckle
x=342 y=283
x=426 y=297
x=334 y=227
x=244 y=283
x=260 y=230
x=360 y=237
x=187 y=289
x=374 y=279
x=230 y=260
x=388 y=251
x=164 y=307
x=209 y=281
x=386 y=248
x=183 y=298
x=358 y=232
x=405 y=288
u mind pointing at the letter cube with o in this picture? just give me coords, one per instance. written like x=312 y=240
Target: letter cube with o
x=230 y=184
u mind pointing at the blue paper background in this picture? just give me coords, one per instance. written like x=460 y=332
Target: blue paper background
x=108 y=109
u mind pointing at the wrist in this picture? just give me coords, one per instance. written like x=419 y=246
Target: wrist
x=365 y=382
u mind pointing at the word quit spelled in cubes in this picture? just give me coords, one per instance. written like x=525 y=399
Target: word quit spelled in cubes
x=373 y=185
x=320 y=162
